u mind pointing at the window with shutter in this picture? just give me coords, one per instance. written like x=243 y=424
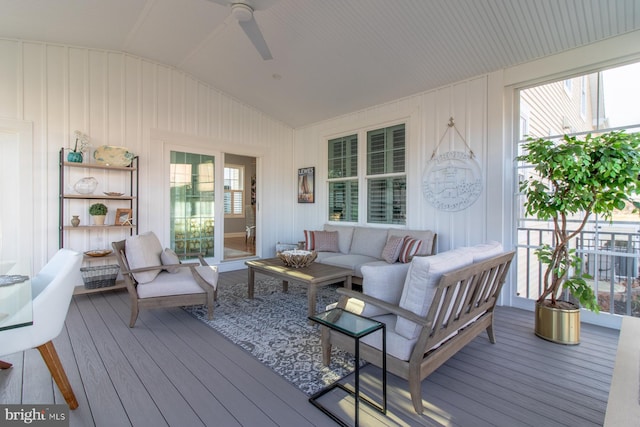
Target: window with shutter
x=233 y=191
x=343 y=182
x=385 y=179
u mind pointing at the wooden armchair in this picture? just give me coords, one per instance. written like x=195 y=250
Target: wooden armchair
x=462 y=307
x=156 y=278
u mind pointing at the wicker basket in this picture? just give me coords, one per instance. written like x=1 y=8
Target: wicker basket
x=101 y=276
x=297 y=258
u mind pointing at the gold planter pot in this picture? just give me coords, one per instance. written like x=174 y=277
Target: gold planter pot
x=558 y=325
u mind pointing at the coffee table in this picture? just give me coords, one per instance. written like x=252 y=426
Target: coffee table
x=315 y=276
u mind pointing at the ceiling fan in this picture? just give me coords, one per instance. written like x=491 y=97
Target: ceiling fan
x=242 y=11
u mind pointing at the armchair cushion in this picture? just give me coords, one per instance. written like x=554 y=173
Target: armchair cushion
x=421 y=282
x=166 y=284
x=209 y=273
x=169 y=257
x=144 y=251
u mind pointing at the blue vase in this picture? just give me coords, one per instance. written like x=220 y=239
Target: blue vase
x=74 y=157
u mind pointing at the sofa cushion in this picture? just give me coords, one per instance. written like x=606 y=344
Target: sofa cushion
x=484 y=251
x=144 y=251
x=345 y=235
x=421 y=282
x=352 y=261
x=427 y=237
x=397 y=346
x=169 y=257
x=384 y=282
x=326 y=241
x=410 y=248
x=391 y=250
x=368 y=241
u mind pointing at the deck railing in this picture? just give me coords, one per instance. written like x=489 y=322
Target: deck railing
x=610 y=257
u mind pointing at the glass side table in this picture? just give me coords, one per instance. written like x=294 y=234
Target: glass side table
x=356 y=327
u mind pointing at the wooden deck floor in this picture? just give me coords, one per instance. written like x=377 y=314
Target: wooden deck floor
x=173 y=370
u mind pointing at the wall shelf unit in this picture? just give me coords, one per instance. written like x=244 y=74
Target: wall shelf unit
x=86 y=236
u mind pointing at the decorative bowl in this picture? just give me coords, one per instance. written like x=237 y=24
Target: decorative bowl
x=297 y=258
x=86 y=185
x=98 y=252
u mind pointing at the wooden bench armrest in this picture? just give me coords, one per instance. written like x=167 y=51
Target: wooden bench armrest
x=397 y=310
x=198 y=255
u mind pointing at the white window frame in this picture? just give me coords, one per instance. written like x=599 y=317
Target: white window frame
x=234 y=194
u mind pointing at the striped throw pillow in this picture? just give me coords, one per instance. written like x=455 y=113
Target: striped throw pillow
x=410 y=247
x=309 y=240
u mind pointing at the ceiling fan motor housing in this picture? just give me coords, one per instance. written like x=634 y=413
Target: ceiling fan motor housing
x=242 y=12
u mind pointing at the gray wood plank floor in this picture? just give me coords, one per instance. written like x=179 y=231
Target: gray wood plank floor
x=173 y=370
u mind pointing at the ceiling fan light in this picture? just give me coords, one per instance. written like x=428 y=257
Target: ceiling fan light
x=242 y=12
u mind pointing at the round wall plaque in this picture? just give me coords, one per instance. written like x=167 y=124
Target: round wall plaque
x=452 y=181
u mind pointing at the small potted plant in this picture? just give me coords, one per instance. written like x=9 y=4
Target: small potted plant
x=98 y=211
x=572 y=179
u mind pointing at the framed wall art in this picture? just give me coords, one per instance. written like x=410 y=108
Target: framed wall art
x=306 y=185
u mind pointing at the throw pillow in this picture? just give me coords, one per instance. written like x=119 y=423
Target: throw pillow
x=309 y=242
x=391 y=250
x=326 y=241
x=168 y=257
x=144 y=251
x=410 y=247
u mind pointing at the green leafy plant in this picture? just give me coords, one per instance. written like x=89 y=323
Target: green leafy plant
x=98 y=209
x=574 y=178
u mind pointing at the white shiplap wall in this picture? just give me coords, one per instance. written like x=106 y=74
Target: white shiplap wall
x=120 y=99
x=472 y=106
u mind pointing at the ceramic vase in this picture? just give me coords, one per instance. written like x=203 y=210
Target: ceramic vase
x=74 y=157
x=75 y=221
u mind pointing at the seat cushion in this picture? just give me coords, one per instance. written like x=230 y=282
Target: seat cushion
x=345 y=234
x=369 y=241
x=209 y=273
x=353 y=262
x=397 y=346
x=421 y=282
x=166 y=284
x=144 y=251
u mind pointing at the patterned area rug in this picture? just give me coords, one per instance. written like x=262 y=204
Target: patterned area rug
x=273 y=327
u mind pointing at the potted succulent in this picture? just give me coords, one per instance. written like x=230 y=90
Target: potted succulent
x=572 y=179
x=98 y=212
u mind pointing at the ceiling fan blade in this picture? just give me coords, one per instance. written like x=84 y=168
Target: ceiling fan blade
x=252 y=31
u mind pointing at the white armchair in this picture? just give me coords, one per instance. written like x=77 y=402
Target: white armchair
x=52 y=289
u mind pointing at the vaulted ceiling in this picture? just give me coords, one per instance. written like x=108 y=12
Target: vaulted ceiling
x=330 y=57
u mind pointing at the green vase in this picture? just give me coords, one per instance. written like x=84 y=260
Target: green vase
x=74 y=157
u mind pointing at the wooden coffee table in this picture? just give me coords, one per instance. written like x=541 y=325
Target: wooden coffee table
x=315 y=276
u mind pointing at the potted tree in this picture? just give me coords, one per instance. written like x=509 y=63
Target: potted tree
x=573 y=179
x=98 y=212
